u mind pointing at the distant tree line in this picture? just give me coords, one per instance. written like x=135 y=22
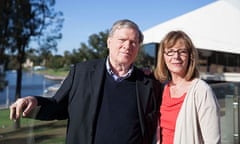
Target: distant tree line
x=94 y=49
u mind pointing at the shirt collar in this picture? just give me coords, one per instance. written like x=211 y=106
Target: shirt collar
x=116 y=77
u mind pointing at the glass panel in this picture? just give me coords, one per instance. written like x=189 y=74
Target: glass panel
x=228 y=97
x=33 y=131
x=147 y=56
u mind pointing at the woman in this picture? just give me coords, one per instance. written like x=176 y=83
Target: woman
x=189 y=112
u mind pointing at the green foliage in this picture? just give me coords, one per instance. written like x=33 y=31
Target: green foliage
x=3 y=82
x=144 y=60
x=57 y=72
x=98 y=44
x=55 y=62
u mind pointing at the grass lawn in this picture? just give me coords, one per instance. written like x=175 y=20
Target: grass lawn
x=52 y=72
x=31 y=131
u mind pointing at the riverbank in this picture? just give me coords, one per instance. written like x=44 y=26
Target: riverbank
x=53 y=77
x=53 y=74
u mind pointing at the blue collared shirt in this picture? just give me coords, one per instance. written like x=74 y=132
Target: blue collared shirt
x=116 y=77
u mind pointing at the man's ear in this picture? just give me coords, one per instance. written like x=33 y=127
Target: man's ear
x=108 y=42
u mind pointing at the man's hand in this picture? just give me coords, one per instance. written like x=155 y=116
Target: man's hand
x=22 y=106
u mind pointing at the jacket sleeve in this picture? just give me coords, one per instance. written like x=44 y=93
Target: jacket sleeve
x=56 y=107
x=209 y=117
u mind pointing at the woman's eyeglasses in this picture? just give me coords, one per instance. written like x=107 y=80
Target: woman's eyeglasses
x=181 y=52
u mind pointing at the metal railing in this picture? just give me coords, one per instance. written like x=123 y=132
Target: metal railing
x=229 y=99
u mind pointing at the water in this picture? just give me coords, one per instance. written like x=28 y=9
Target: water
x=32 y=84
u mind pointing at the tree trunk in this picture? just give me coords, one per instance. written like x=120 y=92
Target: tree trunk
x=19 y=82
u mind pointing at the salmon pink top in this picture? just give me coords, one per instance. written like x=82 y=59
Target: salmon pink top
x=169 y=110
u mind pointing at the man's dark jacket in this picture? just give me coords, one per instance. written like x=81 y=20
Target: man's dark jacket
x=78 y=101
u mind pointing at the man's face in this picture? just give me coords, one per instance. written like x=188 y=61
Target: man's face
x=123 y=46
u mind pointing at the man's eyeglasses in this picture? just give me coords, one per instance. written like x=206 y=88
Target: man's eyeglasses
x=181 y=52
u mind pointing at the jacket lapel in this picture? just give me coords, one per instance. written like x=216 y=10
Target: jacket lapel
x=97 y=76
x=143 y=93
x=96 y=80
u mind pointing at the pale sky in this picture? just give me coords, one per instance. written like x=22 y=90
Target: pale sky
x=84 y=18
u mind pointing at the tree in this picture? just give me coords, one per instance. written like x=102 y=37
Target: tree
x=4 y=40
x=56 y=62
x=25 y=21
x=98 y=44
x=3 y=82
x=96 y=48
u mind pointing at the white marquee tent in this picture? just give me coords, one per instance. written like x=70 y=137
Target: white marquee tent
x=215 y=26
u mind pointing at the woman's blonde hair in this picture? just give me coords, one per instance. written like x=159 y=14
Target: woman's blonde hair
x=161 y=71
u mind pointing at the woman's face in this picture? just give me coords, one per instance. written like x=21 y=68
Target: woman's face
x=177 y=58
